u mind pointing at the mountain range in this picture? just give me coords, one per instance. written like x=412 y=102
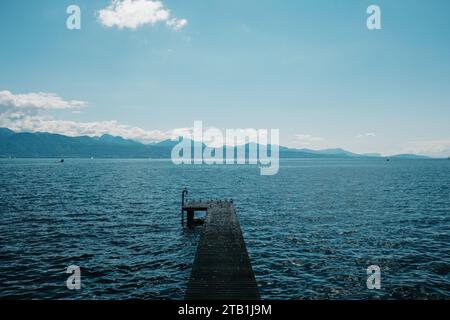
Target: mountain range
x=49 y=145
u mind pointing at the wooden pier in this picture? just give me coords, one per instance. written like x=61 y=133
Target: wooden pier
x=222 y=268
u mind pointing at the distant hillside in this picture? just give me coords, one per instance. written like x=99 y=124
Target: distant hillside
x=409 y=156
x=48 y=145
x=117 y=140
x=4 y=132
x=332 y=152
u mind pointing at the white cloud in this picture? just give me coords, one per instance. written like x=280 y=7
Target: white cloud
x=177 y=24
x=28 y=112
x=39 y=100
x=133 y=14
x=96 y=128
x=307 y=140
x=366 y=135
x=434 y=148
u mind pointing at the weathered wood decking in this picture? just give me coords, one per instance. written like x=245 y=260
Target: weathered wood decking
x=222 y=268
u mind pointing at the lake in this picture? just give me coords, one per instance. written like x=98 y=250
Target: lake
x=311 y=230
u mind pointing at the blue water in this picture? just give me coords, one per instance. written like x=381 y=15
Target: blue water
x=311 y=231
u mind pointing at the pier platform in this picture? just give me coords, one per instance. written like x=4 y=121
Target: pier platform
x=222 y=268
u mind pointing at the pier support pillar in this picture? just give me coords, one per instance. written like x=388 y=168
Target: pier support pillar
x=190 y=217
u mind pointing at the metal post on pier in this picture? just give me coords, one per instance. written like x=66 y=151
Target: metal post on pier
x=183 y=199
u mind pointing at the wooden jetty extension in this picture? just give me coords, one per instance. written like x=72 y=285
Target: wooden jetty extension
x=222 y=268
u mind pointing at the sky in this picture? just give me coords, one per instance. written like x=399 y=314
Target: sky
x=147 y=70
